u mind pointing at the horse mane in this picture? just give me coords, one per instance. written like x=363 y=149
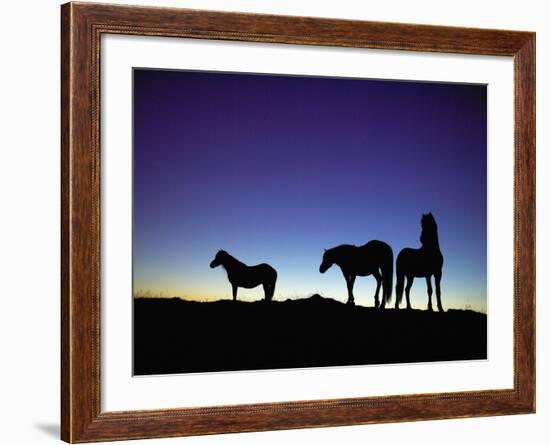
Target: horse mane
x=340 y=247
x=429 y=237
x=335 y=250
x=229 y=257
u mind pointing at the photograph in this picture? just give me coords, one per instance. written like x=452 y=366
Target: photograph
x=286 y=221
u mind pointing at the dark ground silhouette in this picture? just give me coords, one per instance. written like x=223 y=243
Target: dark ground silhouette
x=176 y=336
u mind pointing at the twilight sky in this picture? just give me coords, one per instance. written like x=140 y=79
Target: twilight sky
x=277 y=168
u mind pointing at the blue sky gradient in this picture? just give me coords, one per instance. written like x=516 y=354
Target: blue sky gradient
x=277 y=168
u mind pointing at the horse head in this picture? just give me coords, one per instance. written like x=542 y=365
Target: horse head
x=428 y=222
x=218 y=259
x=327 y=261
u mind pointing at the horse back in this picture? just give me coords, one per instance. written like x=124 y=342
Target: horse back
x=363 y=260
x=252 y=276
x=262 y=272
x=378 y=247
x=266 y=270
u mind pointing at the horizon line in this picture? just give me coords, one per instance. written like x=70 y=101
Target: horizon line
x=390 y=305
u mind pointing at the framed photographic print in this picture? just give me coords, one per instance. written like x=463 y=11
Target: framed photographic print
x=282 y=222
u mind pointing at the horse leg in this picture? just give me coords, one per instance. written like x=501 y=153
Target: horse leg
x=399 y=289
x=350 y=280
x=410 y=279
x=269 y=290
x=378 y=277
x=430 y=291
x=437 y=276
x=235 y=287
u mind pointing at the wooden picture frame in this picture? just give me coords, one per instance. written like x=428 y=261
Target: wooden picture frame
x=82 y=25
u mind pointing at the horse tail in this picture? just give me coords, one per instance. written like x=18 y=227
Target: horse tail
x=270 y=285
x=273 y=284
x=387 y=274
x=400 y=284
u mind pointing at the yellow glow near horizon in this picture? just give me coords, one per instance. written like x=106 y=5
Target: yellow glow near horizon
x=419 y=300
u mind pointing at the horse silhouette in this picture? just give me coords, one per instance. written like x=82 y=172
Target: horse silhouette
x=423 y=262
x=374 y=258
x=241 y=275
